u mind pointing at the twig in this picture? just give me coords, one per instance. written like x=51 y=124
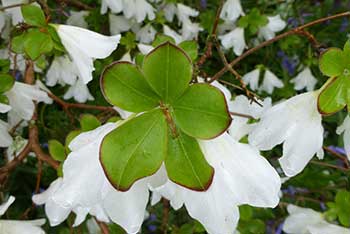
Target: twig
x=242 y=115
x=330 y=165
x=103 y=227
x=295 y=31
x=332 y=152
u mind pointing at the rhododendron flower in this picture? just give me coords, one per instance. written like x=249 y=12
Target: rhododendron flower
x=345 y=128
x=304 y=79
x=77 y=18
x=116 y=6
x=234 y=39
x=6 y=139
x=138 y=9
x=231 y=10
x=21 y=97
x=61 y=71
x=270 y=82
x=84 y=188
x=297 y=124
x=307 y=221
x=252 y=79
x=79 y=91
x=17 y=226
x=84 y=46
x=275 y=24
x=241 y=176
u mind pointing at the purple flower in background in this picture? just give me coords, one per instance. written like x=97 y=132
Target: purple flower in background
x=337 y=149
x=323 y=206
x=344 y=25
x=279 y=229
x=289 y=64
x=203 y=4
x=293 y=22
x=152 y=228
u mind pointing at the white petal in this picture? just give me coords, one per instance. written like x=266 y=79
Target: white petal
x=118 y=24
x=270 y=82
x=116 y=6
x=145 y=49
x=323 y=228
x=169 y=11
x=4 y=108
x=171 y=33
x=234 y=39
x=18 y=227
x=345 y=128
x=83 y=46
x=223 y=89
x=189 y=31
x=231 y=10
x=252 y=79
x=146 y=34
x=304 y=79
x=185 y=12
x=6 y=138
x=79 y=91
x=274 y=25
x=6 y=205
x=138 y=9
x=77 y=18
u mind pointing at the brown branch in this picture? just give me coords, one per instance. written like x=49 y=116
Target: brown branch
x=295 y=31
x=242 y=115
x=103 y=227
x=342 y=158
x=330 y=166
x=209 y=44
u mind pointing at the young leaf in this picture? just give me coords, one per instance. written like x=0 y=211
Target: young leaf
x=202 y=112
x=57 y=150
x=6 y=82
x=69 y=138
x=168 y=70
x=89 y=122
x=17 y=43
x=191 y=48
x=335 y=96
x=37 y=43
x=135 y=149
x=123 y=85
x=186 y=165
x=33 y=15
x=332 y=62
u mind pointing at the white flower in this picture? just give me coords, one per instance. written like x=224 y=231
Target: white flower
x=85 y=189
x=5 y=26
x=116 y=6
x=19 y=227
x=138 y=9
x=84 y=46
x=169 y=11
x=304 y=79
x=307 y=221
x=239 y=126
x=62 y=71
x=6 y=139
x=171 y=33
x=184 y=13
x=231 y=10
x=17 y=146
x=252 y=79
x=270 y=82
x=79 y=91
x=77 y=18
x=119 y=24
x=2 y=20
x=296 y=123
x=345 y=128
x=189 y=30
x=14 y=12
x=21 y=97
x=144 y=49
x=146 y=34
x=241 y=176
x=4 y=108
x=275 y=24
x=234 y=39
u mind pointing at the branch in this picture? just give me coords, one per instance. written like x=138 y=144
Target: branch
x=295 y=31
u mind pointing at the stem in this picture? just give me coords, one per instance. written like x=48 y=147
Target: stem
x=295 y=31
x=165 y=218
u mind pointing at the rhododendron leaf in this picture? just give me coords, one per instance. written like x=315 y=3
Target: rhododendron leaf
x=335 y=95
x=135 y=149
x=4 y=99
x=33 y=15
x=89 y=122
x=168 y=70
x=161 y=38
x=202 y=112
x=332 y=62
x=57 y=150
x=123 y=85
x=6 y=82
x=17 y=43
x=185 y=163
x=191 y=48
x=37 y=43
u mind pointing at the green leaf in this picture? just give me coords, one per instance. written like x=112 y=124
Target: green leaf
x=5 y=65
x=334 y=96
x=57 y=150
x=4 y=99
x=202 y=112
x=332 y=62
x=55 y=38
x=128 y=41
x=89 y=122
x=186 y=164
x=191 y=48
x=135 y=149
x=17 y=43
x=37 y=43
x=342 y=200
x=33 y=15
x=123 y=85
x=6 y=82
x=69 y=138
x=168 y=70
x=161 y=38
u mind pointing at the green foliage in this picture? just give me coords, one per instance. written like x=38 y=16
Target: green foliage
x=340 y=208
x=33 y=15
x=57 y=150
x=128 y=41
x=198 y=111
x=37 y=43
x=253 y=21
x=6 y=82
x=89 y=122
